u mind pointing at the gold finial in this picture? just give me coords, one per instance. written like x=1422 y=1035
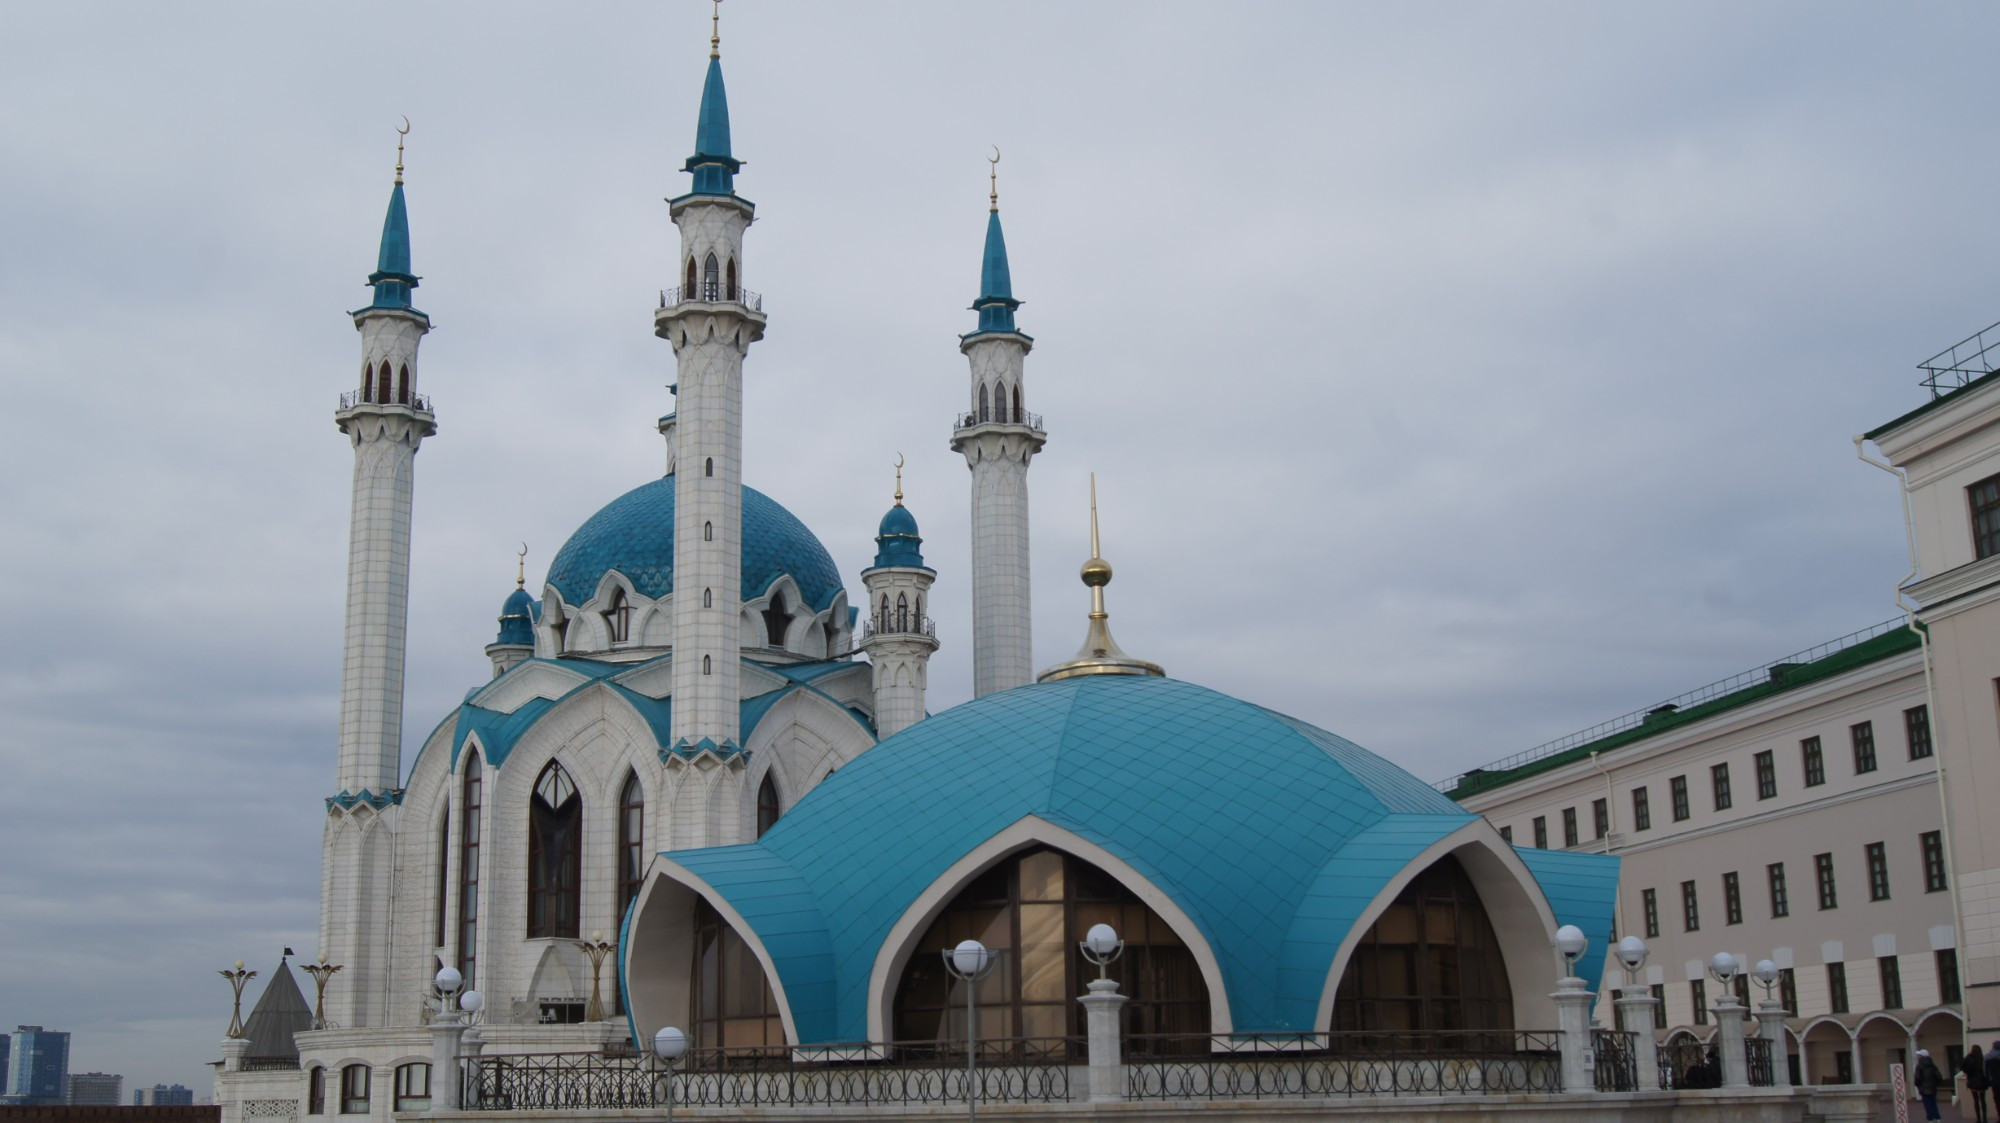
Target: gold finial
x=521 y=568
x=715 y=32
x=899 y=479
x=993 y=180
x=1101 y=654
x=400 y=134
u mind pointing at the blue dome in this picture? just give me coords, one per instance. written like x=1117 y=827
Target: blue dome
x=634 y=534
x=517 y=619
x=1270 y=834
x=897 y=541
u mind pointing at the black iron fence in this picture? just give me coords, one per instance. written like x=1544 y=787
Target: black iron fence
x=1617 y=1070
x=1689 y=1064
x=1263 y=1066
x=712 y=292
x=998 y=416
x=1758 y=1050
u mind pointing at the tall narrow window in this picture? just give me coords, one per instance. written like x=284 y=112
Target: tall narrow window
x=1917 y=727
x=413 y=1087
x=1935 y=880
x=1732 y=898
x=403 y=385
x=384 y=387
x=1678 y=788
x=1815 y=762
x=1891 y=971
x=1642 y=810
x=316 y=1091
x=1698 y=997
x=776 y=620
x=1767 y=775
x=1600 y=818
x=732 y=1000
x=1019 y=417
x=1823 y=872
x=706 y=666
x=1569 y=826
x=767 y=805
x=1947 y=976
x=367 y=382
x=733 y=294
x=354 y=1090
x=468 y=871
x=1864 y=746
x=708 y=598
x=711 y=279
x=1788 y=988
x=1659 y=993
x=1718 y=778
x=1836 y=988
x=708 y=467
x=1690 y=910
x=902 y=613
x=708 y=532
x=1878 y=871
x=983 y=404
x=618 y=617
x=443 y=869
x=687 y=293
x=1985 y=499
x=1651 y=899
x=1781 y=901
x=1541 y=832
x=555 y=854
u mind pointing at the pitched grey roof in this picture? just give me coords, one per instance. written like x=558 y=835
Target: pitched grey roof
x=281 y=1012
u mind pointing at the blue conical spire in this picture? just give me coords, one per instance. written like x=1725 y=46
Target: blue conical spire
x=996 y=301
x=713 y=167
x=392 y=277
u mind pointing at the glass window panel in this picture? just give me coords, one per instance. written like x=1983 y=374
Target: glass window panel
x=1042 y=876
x=1043 y=959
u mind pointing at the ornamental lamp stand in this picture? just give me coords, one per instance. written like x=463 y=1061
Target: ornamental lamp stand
x=596 y=948
x=1101 y=1006
x=320 y=972
x=1771 y=1014
x=669 y=1044
x=1579 y=1065
x=1729 y=1021
x=237 y=978
x=971 y=961
x=1636 y=1006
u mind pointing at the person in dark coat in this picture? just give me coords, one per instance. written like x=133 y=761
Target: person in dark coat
x=1973 y=1068
x=1927 y=1079
x=1992 y=1075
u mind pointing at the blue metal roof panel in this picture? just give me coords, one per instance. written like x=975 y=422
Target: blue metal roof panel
x=1581 y=889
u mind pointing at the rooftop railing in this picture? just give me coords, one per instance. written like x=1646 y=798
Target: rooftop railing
x=997 y=417
x=1961 y=362
x=712 y=293
x=1774 y=671
x=419 y=402
x=899 y=626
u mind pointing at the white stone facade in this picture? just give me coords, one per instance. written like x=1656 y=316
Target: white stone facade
x=899 y=640
x=998 y=444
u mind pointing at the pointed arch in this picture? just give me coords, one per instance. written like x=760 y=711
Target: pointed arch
x=688 y=290
x=734 y=293
x=777 y=619
x=471 y=805
x=708 y=598
x=708 y=532
x=711 y=278
x=367 y=381
x=768 y=808
x=382 y=383
x=902 y=613
x=403 y=384
x=983 y=405
x=1019 y=417
x=555 y=854
x=618 y=616
x=631 y=840
x=708 y=467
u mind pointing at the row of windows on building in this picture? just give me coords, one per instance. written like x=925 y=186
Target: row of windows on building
x=777 y=616
x=413 y=1089
x=1812 y=760
x=1888 y=969
x=555 y=854
x=1931 y=843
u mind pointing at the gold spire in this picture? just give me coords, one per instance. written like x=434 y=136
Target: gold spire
x=899 y=479
x=1100 y=654
x=715 y=32
x=400 y=134
x=993 y=180
x=521 y=568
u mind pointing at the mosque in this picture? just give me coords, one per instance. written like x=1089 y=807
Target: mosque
x=701 y=788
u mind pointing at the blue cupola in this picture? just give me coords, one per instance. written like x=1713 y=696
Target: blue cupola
x=713 y=167
x=517 y=619
x=897 y=542
x=392 y=277
x=996 y=301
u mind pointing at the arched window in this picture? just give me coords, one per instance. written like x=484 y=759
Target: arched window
x=776 y=620
x=767 y=804
x=367 y=382
x=882 y=615
x=704 y=664
x=443 y=870
x=631 y=842
x=982 y=402
x=711 y=279
x=618 y=617
x=708 y=532
x=354 y=1090
x=1019 y=417
x=708 y=469
x=403 y=384
x=316 y=1091
x=708 y=598
x=733 y=293
x=555 y=854
x=382 y=384
x=733 y=1004
x=468 y=871
x=1431 y=962
x=687 y=292
x=413 y=1087
x=902 y=613
x=1035 y=907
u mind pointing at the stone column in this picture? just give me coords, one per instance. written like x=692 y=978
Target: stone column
x=1771 y=1026
x=447 y=1033
x=1636 y=1005
x=1729 y=1040
x=1101 y=1008
x=1579 y=1067
x=232 y=1053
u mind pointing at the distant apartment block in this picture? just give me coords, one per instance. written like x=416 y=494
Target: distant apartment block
x=96 y=1089
x=163 y=1095
x=37 y=1067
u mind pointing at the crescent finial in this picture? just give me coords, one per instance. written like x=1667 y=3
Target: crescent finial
x=899 y=479
x=400 y=134
x=521 y=570
x=993 y=179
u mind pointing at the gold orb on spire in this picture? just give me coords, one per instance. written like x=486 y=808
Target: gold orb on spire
x=1100 y=654
x=1097 y=573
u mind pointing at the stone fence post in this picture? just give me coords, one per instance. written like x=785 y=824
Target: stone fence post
x=1771 y=1026
x=447 y=1034
x=1636 y=1006
x=1101 y=1009
x=1579 y=1062
x=1729 y=1040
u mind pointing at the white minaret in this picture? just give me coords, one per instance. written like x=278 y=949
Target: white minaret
x=711 y=322
x=386 y=419
x=998 y=438
x=897 y=635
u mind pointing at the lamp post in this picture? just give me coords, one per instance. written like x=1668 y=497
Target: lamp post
x=321 y=972
x=237 y=977
x=1729 y=1021
x=1100 y=946
x=596 y=948
x=1771 y=1014
x=970 y=961
x=1637 y=1006
x=668 y=1045
x=1579 y=1066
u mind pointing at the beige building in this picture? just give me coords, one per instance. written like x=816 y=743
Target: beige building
x=1788 y=813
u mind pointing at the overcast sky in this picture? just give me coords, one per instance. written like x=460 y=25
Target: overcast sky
x=1455 y=377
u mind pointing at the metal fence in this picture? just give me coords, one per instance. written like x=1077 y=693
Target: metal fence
x=712 y=292
x=1961 y=362
x=1254 y=1066
x=1617 y=1070
x=1758 y=1050
x=997 y=416
x=1689 y=1064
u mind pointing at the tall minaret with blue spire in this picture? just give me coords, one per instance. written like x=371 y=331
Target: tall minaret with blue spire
x=386 y=419
x=998 y=437
x=711 y=320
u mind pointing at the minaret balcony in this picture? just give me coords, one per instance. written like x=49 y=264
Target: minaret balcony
x=356 y=399
x=712 y=292
x=895 y=625
x=976 y=418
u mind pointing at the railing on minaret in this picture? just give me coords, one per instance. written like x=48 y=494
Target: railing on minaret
x=998 y=438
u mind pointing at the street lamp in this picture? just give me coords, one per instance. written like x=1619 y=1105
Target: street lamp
x=321 y=972
x=1725 y=968
x=1100 y=946
x=1766 y=974
x=970 y=961
x=669 y=1044
x=472 y=1002
x=596 y=948
x=237 y=978
x=1572 y=943
x=1632 y=955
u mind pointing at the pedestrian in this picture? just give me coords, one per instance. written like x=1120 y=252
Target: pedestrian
x=1927 y=1080
x=1973 y=1068
x=1992 y=1081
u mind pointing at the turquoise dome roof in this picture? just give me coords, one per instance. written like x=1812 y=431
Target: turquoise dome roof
x=517 y=618
x=634 y=534
x=897 y=541
x=1270 y=834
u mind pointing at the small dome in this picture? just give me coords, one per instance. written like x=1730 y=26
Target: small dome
x=517 y=619
x=897 y=542
x=634 y=534
x=899 y=521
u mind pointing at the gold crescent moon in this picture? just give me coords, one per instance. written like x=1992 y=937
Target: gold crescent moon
x=996 y=155
x=899 y=460
x=524 y=549
x=405 y=130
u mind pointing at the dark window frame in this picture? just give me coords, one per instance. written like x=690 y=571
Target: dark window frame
x=354 y=1089
x=1836 y=988
x=1600 y=817
x=1983 y=497
x=1767 y=775
x=1781 y=898
x=555 y=855
x=1718 y=780
x=1824 y=880
x=1659 y=992
x=1917 y=732
x=1642 y=809
x=409 y=1096
x=1570 y=833
x=1890 y=970
x=1813 y=757
x=1878 y=870
x=1950 y=989
x=1541 y=825
x=470 y=807
x=1698 y=998
x=1690 y=907
x=1937 y=877
x=1732 y=898
x=1650 y=899
x=316 y=1091
x=1678 y=787
x=769 y=806
x=1788 y=989
x=1863 y=735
